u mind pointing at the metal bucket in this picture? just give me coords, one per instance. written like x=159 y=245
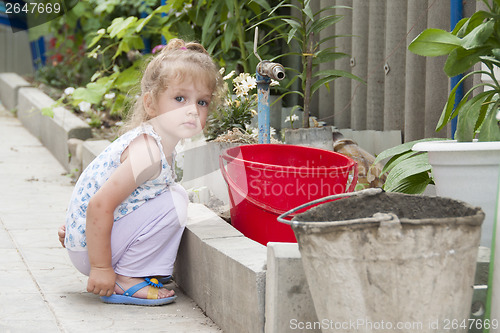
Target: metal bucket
x=398 y=270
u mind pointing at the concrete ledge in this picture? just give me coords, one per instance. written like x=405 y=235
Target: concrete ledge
x=222 y=271
x=10 y=83
x=52 y=132
x=288 y=300
x=90 y=149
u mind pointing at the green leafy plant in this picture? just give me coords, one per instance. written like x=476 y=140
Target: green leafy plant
x=238 y=109
x=474 y=40
x=305 y=29
x=220 y=26
x=408 y=171
x=117 y=49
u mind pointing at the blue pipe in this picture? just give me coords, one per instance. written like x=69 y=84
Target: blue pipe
x=163 y=39
x=456 y=14
x=146 y=41
x=264 y=112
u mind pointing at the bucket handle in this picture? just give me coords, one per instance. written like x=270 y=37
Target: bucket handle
x=350 y=186
x=233 y=185
x=282 y=217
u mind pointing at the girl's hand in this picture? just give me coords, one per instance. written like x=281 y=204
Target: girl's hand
x=101 y=281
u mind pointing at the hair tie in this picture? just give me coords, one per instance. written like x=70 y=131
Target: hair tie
x=183 y=48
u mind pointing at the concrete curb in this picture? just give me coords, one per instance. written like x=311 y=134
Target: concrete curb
x=10 y=83
x=223 y=271
x=15 y=92
x=54 y=132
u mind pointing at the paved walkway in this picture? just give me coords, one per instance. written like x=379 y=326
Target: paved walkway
x=40 y=291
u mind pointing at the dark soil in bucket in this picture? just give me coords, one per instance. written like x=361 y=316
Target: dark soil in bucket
x=402 y=205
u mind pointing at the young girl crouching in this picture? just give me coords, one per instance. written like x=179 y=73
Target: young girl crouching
x=127 y=215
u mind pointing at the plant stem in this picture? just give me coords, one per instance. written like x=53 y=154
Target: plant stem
x=307 y=91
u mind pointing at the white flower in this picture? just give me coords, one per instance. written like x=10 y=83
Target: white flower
x=109 y=95
x=240 y=90
x=240 y=78
x=228 y=76
x=243 y=83
x=291 y=118
x=274 y=83
x=68 y=91
x=84 y=106
x=250 y=82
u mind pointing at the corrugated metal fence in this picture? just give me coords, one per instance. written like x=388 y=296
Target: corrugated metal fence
x=404 y=91
x=15 y=53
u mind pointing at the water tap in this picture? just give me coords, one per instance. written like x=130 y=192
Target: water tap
x=265 y=71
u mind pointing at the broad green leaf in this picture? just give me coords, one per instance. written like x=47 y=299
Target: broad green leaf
x=323 y=81
x=478 y=36
x=409 y=167
x=118 y=105
x=293 y=23
x=129 y=77
x=396 y=159
x=228 y=35
x=94 y=91
x=291 y=35
x=407 y=146
x=143 y=22
x=490 y=131
x=414 y=184
x=308 y=11
x=263 y=3
x=461 y=60
x=459 y=26
x=208 y=21
x=230 y=5
x=469 y=115
x=434 y=42
x=471 y=23
x=119 y=25
x=95 y=40
x=447 y=113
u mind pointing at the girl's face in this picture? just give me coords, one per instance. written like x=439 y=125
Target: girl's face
x=181 y=110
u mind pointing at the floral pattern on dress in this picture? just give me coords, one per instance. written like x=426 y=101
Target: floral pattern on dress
x=98 y=172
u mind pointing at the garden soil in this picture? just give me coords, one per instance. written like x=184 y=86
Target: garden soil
x=402 y=205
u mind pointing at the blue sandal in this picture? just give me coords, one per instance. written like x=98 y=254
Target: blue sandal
x=128 y=298
x=164 y=279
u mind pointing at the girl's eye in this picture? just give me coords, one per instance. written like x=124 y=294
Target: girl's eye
x=180 y=99
x=203 y=103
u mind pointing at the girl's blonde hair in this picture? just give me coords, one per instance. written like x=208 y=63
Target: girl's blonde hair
x=176 y=61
